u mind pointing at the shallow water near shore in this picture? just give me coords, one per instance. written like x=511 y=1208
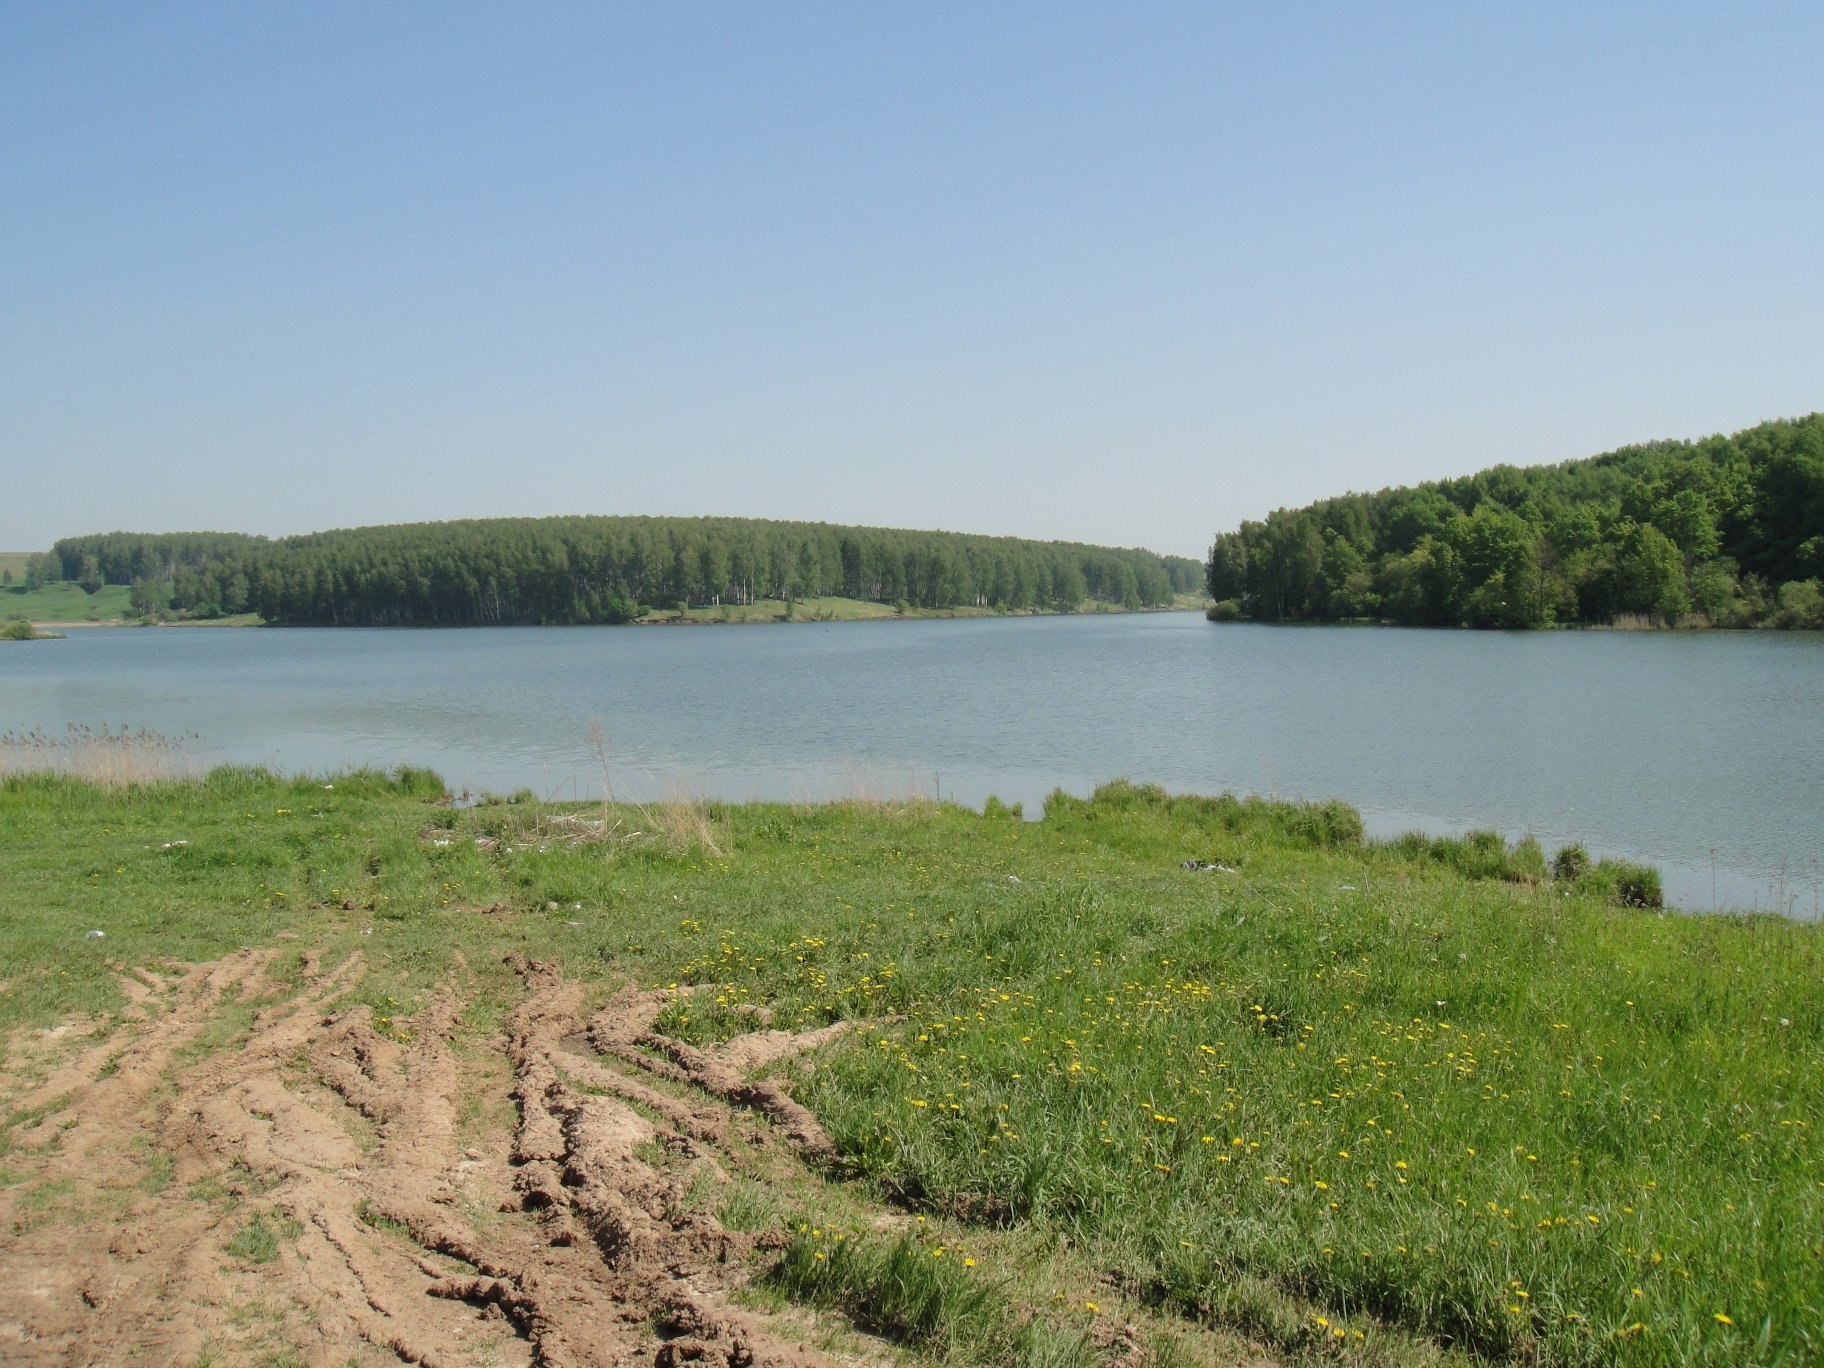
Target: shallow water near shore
x=1701 y=753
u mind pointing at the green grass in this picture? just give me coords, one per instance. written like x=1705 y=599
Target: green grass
x=257 y=1242
x=64 y=601
x=16 y=562
x=1429 y=1098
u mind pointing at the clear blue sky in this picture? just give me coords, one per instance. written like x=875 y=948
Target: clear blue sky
x=1124 y=274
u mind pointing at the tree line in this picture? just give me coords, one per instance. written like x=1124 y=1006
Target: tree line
x=1727 y=531
x=602 y=570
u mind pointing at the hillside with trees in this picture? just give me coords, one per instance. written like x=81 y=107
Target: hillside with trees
x=1727 y=532
x=602 y=570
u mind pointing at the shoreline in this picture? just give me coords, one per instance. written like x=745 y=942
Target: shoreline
x=749 y=619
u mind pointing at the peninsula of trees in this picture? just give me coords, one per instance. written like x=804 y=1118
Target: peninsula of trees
x=600 y=570
x=1728 y=531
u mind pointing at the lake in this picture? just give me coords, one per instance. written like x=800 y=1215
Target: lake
x=1701 y=753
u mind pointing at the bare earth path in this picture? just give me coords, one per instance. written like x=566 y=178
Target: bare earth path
x=236 y=1171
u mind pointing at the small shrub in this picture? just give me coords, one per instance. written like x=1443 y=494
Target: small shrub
x=907 y=1292
x=1224 y=610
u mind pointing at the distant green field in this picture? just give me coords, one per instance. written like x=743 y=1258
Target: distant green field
x=15 y=561
x=64 y=601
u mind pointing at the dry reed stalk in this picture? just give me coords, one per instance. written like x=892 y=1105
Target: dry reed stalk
x=679 y=822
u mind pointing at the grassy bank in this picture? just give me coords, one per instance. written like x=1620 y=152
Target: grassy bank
x=1369 y=1104
x=65 y=601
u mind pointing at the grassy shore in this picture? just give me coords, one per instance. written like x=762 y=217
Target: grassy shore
x=64 y=603
x=1310 y=1100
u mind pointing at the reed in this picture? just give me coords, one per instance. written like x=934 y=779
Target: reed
x=104 y=756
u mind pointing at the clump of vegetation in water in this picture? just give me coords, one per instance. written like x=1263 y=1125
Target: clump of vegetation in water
x=21 y=629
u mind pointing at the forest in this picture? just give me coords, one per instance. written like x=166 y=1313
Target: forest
x=599 y=570
x=1725 y=532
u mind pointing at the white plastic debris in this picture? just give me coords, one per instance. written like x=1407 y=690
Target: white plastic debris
x=95 y=935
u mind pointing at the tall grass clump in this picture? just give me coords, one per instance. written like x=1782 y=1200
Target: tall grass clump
x=681 y=822
x=1571 y=863
x=1317 y=824
x=1477 y=855
x=1624 y=883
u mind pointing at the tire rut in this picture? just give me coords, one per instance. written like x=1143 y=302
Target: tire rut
x=568 y=1244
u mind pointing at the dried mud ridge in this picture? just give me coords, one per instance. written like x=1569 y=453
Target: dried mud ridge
x=562 y=1247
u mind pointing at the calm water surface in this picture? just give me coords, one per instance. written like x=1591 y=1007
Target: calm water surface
x=1702 y=753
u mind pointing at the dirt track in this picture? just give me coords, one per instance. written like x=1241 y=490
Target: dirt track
x=572 y=1238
